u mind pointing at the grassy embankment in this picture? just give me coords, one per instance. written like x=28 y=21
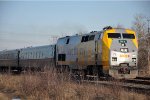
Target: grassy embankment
x=54 y=86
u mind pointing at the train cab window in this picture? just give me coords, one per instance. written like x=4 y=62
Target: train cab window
x=85 y=38
x=114 y=35
x=61 y=57
x=67 y=42
x=91 y=37
x=128 y=36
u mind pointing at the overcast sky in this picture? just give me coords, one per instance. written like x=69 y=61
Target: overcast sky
x=34 y=23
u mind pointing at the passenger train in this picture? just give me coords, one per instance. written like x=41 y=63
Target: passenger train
x=110 y=52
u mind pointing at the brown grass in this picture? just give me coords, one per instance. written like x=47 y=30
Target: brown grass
x=57 y=86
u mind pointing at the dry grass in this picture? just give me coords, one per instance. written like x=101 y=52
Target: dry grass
x=55 y=86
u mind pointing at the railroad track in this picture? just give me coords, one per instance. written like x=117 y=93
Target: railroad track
x=137 y=81
x=143 y=78
x=140 y=85
x=139 y=88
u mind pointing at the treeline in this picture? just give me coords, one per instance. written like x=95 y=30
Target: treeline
x=140 y=25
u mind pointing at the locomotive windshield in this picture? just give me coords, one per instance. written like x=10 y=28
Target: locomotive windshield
x=114 y=35
x=128 y=36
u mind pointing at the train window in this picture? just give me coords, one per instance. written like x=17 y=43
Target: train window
x=3 y=56
x=114 y=35
x=91 y=37
x=42 y=55
x=85 y=38
x=39 y=54
x=7 y=56
x=67 y=42
x=36 y=55
x=99 y=36
x=33 y=55
x=30 y=55
x=61 y=57
x=128 y=36
x=26 y=55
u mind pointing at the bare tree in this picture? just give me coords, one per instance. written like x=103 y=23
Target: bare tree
x=139 y=25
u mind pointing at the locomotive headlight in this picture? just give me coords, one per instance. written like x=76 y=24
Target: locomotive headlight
x=133 y=59
x=124 y=49
x=121 y=49
x=133 y=55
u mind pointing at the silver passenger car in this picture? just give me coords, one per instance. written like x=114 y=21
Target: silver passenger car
x=9 y=58
x=37 y=58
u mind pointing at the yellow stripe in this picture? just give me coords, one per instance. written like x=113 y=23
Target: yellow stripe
x=106 y=48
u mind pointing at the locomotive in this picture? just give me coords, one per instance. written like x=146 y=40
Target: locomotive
x=110 y=52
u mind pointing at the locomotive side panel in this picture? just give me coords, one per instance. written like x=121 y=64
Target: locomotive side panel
x=86 y=54
x=66 y=51
x=79 y=51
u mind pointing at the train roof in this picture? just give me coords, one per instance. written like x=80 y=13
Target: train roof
x=90 y=33
x=109 y=28
x=95 y=32
x=36 y=47
x=8 y=51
